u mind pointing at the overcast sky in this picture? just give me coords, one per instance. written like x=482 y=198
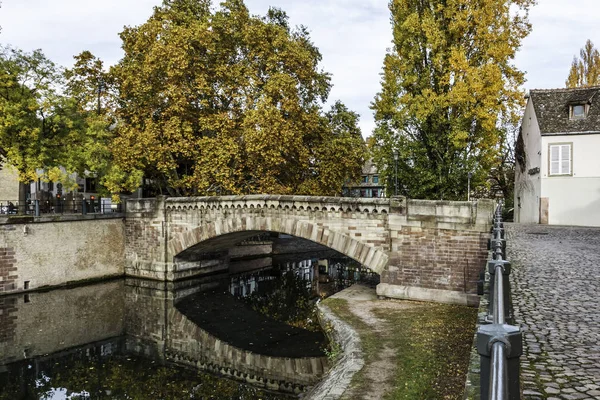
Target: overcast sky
x=352 y=35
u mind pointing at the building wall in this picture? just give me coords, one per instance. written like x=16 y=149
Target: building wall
x=9 y=184
x=370 y=184
x=573 y=200
x=55 y=253
x=528 y=182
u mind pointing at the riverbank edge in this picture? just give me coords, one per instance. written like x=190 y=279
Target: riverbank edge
x=65 y=285
x=349 y=361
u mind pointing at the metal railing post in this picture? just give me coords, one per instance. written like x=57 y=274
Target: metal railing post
x=37 y=207
x=503 y=268
x=499 y=345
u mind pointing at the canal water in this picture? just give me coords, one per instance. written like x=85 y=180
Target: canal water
x=251 y=333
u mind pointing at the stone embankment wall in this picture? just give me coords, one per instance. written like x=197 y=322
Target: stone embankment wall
x=43 y=323
x=423 y=250
x=145 y=239
x=350 y=361
x=35 y=254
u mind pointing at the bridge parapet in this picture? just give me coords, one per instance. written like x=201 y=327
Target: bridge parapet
x=143 y=207
x=455 y=215
x=442 y=214
x=282 y=202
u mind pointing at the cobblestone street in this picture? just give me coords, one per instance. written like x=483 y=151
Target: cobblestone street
x=556 y=297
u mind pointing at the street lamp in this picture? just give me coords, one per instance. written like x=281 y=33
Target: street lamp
x=396 y=172
x=470 y=175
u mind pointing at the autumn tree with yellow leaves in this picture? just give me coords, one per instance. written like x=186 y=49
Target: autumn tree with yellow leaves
x=203 y=103
x=222 y=102
x=585 y=71
x=449 y=89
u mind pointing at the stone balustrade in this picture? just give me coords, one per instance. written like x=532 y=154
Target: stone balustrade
x=281 y=202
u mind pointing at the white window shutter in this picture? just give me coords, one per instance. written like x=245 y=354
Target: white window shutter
x=565 y=157
x=554 y=160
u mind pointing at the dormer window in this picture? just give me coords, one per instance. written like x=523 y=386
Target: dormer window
x=578 y=111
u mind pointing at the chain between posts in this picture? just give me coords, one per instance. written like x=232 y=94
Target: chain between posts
x=499 y=344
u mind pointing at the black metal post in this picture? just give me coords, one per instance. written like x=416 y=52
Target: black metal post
x=469 y=186
x=396 y=172
x=500 y=346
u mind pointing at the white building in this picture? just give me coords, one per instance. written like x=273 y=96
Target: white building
x=557 y=177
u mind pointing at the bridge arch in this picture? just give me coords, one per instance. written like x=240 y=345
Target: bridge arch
x=371 y=257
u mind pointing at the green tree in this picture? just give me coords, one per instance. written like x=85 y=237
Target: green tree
x=502 y=176
x=36 y=121
x=228 y=103
x=48 y=129
x=585 y=71
x=448 y=89
x=338 y=155
x=94 y=94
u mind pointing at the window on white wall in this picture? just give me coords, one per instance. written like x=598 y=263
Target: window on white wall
x=560 y=159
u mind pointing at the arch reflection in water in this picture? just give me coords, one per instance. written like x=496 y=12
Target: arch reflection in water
x=102 y=341
x=132 y=337
x=262 y=321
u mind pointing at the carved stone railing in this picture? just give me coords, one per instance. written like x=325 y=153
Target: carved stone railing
x=282 y=202
x=442 y=214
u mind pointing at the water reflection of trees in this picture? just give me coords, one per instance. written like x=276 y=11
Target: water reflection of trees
x=94 y=373
x=343 y=273
x=288 y=291
x=284 y=295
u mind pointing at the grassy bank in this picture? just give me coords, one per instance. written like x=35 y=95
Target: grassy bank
x=412 y=350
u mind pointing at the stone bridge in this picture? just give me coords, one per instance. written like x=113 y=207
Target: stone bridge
x=423 y=250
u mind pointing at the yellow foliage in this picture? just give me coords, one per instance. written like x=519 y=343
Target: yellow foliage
x=449 y=89
x=227 y=103
x=585 y=71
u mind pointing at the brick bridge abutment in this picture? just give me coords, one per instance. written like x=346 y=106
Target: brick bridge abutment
x=422 y=249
